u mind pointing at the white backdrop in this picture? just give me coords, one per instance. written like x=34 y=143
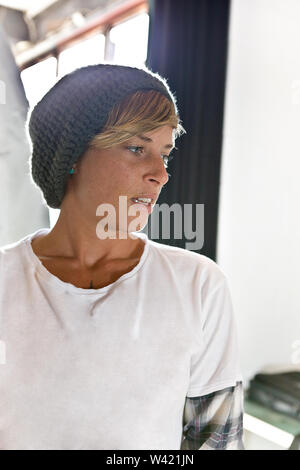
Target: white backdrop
x=259 y=227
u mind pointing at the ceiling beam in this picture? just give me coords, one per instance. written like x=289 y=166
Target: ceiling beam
x=98 y=22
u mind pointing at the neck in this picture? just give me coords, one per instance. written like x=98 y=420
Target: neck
x=83 y=245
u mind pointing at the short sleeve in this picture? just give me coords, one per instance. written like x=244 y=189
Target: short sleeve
x=215 y=365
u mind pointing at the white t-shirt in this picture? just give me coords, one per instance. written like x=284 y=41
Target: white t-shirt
x=110 y=368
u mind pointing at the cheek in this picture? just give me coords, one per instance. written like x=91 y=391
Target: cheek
x=106 y=182
x=126 y=177
x=120 y=174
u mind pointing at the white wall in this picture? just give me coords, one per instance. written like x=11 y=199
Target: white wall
x=21 y=208
x=259 y=220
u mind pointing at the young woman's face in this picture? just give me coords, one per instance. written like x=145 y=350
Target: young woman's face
x=133 y=169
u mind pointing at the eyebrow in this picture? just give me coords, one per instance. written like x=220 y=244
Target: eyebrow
x=147 y=139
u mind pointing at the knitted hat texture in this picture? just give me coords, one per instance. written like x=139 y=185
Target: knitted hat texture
x=72 y=112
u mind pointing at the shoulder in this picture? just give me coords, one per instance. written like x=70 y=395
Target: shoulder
x=188 y=263
x=15 y=247
x=13 y=254
x=7 y=249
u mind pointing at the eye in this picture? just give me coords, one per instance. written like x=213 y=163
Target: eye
x=166 y=158
x=133 y=148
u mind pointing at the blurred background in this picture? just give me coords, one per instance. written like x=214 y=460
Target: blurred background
x=234 y=67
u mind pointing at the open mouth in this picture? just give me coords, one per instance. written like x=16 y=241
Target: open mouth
x=145 y=201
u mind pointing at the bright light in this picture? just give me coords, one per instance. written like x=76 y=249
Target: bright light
x=38 y=79
x=53 y=216
x=131 y=39
x=87 y=52
x=267 y=431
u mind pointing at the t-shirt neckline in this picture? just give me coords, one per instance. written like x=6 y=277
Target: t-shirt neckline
x=67 y=286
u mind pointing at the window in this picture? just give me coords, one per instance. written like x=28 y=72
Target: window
x=38 y=79
x=130 y=40
x=87 y=52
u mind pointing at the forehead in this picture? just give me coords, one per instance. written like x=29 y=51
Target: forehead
x=166 y=134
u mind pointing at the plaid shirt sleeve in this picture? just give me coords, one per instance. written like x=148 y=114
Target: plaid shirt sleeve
x=214 y=421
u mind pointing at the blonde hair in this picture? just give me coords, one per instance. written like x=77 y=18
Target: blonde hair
x=142 y=111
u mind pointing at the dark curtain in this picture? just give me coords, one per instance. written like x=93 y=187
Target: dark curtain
x=188 y=46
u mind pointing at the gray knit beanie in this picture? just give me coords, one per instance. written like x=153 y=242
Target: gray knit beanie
x=72 y=112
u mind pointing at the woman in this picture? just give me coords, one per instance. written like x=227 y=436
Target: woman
x=113 y=341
